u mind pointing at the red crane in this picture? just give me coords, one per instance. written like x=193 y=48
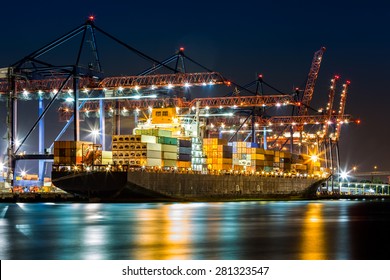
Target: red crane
x=311 y=80
x=341 y=110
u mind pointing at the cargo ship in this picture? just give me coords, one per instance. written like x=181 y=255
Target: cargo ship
x=165 y=159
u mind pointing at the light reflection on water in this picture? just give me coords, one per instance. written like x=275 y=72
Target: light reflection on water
x=227 y=230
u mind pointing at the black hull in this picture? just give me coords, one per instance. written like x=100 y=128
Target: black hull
x=144 y=186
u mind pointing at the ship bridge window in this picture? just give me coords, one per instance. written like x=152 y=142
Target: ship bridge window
x=165 y=113
x=158 y=114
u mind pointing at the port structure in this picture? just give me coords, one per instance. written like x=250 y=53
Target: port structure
x=89 y=91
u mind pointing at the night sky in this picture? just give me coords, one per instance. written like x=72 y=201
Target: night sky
x=240 y=40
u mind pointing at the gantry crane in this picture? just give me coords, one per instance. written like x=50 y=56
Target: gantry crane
x=311 y=81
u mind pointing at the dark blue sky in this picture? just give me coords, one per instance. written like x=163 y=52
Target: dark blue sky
x=276 y=38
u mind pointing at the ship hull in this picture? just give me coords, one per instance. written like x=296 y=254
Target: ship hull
x=151 y=186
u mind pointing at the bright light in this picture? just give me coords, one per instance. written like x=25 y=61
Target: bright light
x=136 y=88
x=187 y=85
x=55 y=91
x=1 y=166
x=69 y=99
x=344 y=175
x=314 y=158
x=23 y=173
x=120 y=89
x=204 y=84
x=25 y=92
x=153 y=87
x=95 y=132
x=170 y=86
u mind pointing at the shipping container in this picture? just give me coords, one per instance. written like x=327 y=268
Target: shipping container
x=167 y=140
x=169 y=148
x=169 y=155
x=184 y=157
x=184 y=143
x=169 y=163
x=154 y=162
x=153 y=147
x=185 y=150
x=148 y=139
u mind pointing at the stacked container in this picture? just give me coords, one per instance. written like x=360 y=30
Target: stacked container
x=70 y=152
x=282 y=160
x=128 y=149
x=218 y=153
x=247 y=156
x=184 y=153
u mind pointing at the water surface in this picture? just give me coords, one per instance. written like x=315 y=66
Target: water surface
x=283 y=230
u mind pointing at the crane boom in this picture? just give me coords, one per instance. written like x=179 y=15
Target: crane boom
x=329 y=106
x=158 y=80
x=341 y=109
x=311 y=80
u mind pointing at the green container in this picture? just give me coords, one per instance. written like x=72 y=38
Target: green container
x=167 y=140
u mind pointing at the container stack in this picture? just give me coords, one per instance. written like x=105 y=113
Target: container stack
x=248 y=157
x=218 y=154
x=282 y=160
x=70 y=152
x=107 y=157
x=184 y=153
x=128 y=149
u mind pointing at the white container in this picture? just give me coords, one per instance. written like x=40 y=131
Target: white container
x=168 y=155
x=154 y=162
x=153 y=154
x=148 y=139
x=169 y=148
x=153 y=147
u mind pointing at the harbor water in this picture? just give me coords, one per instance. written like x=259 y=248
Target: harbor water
x=250 y=230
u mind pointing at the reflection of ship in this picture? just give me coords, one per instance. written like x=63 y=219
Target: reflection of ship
x=165 y=159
